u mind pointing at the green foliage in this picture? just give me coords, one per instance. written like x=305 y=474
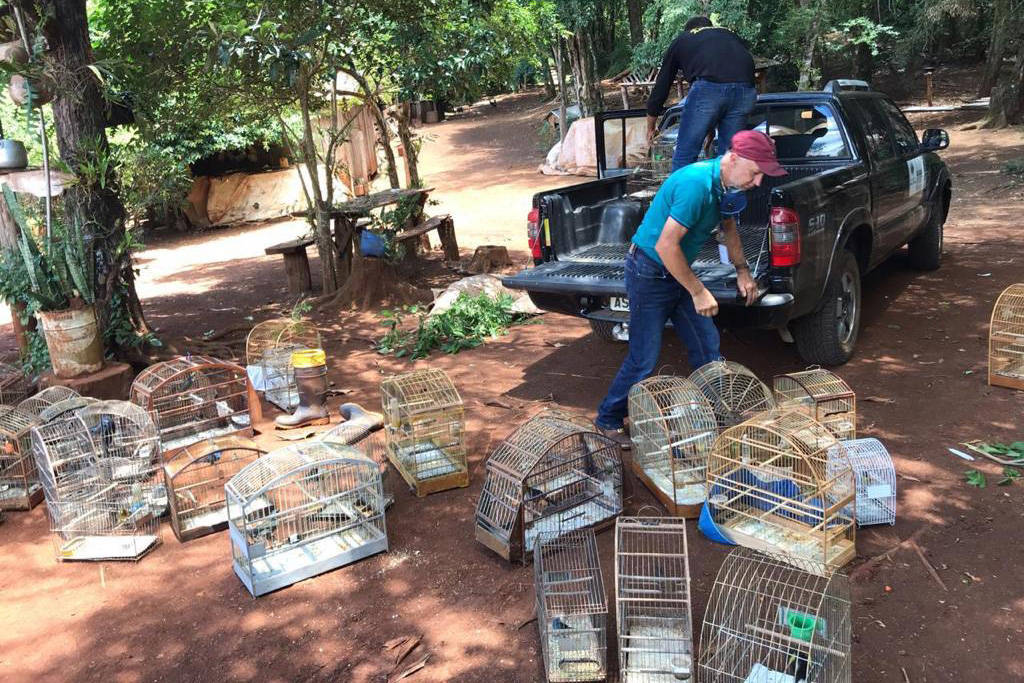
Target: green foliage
x=664 y=20
x=860 y=31
x=1013 y=451
x=467 y=324
x=1014 y=167
x=1010 y=475
x=151 y=176
x=975 y=478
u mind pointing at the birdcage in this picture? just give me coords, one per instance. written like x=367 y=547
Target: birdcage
x=14 y=385
x=303 y=510
x=1006 y=339
x=195 y=398
x=823 y=395
x=36 y=403
x=735 y=393
x=92 y=516
x=19 y=484
x=874 y=476
x=550 y=475
x=652 y=600
x=195 y=479
x=425 y=426
x=769 y=621
x=62 y=410
x=769 y=488
x=572 y=611
x=269 y=348
x=672 y=427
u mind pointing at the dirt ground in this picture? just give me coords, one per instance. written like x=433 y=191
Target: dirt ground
x=181 y=614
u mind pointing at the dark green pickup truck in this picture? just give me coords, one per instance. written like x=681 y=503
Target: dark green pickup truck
x=860 y=186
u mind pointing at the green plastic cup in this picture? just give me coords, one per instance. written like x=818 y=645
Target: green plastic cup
x=801 y=626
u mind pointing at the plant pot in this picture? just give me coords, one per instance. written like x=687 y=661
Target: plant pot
x=42 y=90
x=73 y=339
x=13 y=52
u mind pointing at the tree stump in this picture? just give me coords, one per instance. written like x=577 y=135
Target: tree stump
x=489 y=258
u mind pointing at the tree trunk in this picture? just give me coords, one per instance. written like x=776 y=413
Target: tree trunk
x=581 y=60
x=864 y=63
x=1001 y=22
x=408 y=144
x=549 y=83
x=321 y=203
x=635 y=9
x=807 y=62
x=1007 y=105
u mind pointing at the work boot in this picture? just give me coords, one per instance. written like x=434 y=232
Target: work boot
x=311 y=383
x=619 y=436
x=354 y=414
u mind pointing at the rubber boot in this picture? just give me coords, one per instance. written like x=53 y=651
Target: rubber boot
x=311 y=382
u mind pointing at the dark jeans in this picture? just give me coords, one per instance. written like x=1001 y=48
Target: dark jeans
x=654 y=298
x=724 y=106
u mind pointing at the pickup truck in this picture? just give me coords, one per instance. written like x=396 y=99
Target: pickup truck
x=860 y=185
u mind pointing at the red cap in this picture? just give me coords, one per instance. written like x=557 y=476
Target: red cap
x=755 y=146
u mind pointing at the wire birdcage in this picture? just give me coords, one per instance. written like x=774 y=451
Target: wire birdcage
x=303 y=510
x=92 y=517
x=769 y=488
x=61 y=410
x=875 y=478
x=672 y=427
x=19 y=483
x=195 y=480
x=14 y=385
x=572 y=610
x=269 y=347
x=735 y=393
x=823 y=396
x=549 y=476
x=36 y=403
x=1006 y=339
x=195 y=398
x=652 y=600
x=768 y=621
x=424 y=420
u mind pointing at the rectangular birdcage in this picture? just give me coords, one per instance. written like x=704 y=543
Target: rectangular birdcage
x=1006 y=339
x=652 y=600
x=194 y=398
x=19 y=483
x=823 y=396
x=93 y=517
x=14 y=385
x=771 y=619
x=268 y=352
x=195 y=480
x=424 y=421
x=874 y=476
x=37 y=403
x=303 y=510
x=572 y=610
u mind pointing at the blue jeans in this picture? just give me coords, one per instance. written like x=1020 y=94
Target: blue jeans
x=724 y=106
x=654 y=298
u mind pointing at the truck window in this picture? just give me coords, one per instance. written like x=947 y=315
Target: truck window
x=801 y=132
x=876 y=130
x=902 y=132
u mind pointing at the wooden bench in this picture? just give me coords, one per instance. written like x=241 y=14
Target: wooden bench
x=296 y=264
x=445 y=227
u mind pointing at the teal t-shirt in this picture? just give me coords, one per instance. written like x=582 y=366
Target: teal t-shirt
x=691 y=196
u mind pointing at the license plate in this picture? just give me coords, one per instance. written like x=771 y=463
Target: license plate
x=618 y=303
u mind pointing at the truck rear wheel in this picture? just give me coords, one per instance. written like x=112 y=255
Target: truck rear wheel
x=605 y=330
x=827 y=336
x=925 y=250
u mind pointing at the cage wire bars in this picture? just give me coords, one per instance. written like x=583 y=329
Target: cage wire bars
x=823 y=396
x=14 y=385
x=735 y=393
x=1006 y=339
x=874 y=476
x=47 y=397
x=268 y=352
x=19 y=483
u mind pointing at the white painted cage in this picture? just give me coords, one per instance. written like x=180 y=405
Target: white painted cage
x=875 y=478
x=38 y=402
x=268 y=353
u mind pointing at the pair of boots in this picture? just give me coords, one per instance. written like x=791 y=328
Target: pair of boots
x=310 y=368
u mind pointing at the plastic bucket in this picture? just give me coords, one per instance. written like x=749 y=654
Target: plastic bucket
x=371 y=244
x=73 y=341
x=801 y=626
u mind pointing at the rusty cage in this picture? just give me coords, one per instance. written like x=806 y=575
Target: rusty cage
x=19 y=483
x=14 y=385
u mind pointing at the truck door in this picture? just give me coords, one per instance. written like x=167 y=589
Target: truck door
x=908 y=149
x=888 y=173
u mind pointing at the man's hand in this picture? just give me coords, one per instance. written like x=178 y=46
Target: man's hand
x=705 y=303
x=652 y=128
x=745 y=283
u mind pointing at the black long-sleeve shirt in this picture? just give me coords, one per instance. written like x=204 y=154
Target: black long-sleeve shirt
x=713 y=54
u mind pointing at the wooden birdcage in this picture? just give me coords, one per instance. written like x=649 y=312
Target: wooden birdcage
x=19 y=483
x=269 y=348
x=770 y=621
x=572 y=610
x=875 y=477
x=93 y=517
x=195 y=480
x=424 y=421
x=1006 y=339
x=195 y=398
x=823 y=396
x=36 y=403
x=550 y=475
x=303 y=510
x=734 y=392
x=14 y=385
x=652 y=600
x=672 y=427
x=69 y=407
x=770 y=488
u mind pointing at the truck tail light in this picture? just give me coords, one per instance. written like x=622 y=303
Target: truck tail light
x=785 y=237
x=533 y=234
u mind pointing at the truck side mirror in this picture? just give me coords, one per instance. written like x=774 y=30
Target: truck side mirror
x=934 y=139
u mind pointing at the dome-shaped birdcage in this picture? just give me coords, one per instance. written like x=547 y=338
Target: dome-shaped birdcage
x=1006 y=339
x=69 y=407
x=769 y=488
x=735 y=393
x=770 y=619
x=672 y=427
x=269 y=348
x=874 y=476
x=19 y=483
x=823 y=396
x=14 y=385
x=36 y=403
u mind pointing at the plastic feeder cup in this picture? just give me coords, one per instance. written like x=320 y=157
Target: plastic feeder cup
x=801 y=626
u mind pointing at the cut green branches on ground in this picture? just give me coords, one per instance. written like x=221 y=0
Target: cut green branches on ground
x=467 y=324
x=1004 y=454
x=1009 y=476
x=975 y=478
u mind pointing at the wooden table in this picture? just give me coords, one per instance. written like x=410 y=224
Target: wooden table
x=345 y=216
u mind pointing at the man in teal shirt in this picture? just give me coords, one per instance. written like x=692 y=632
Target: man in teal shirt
x=659 y=282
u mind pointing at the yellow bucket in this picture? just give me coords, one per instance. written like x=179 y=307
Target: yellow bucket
x=308 y=358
